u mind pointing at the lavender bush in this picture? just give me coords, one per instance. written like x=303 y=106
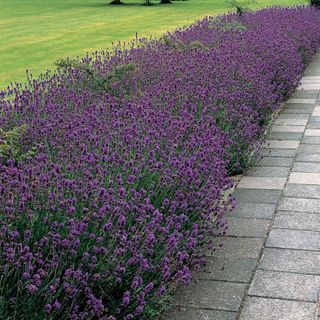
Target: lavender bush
x=114 y=184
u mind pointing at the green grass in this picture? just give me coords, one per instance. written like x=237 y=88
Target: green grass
x=35 y=33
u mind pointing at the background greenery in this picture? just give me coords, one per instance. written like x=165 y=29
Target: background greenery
x=35 y=33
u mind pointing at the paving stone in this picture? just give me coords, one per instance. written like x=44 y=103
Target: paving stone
x=253 y=210
x=309 y=148
x=228 y=269
x=308 y=157
x=306 y=167
x=297 y=221
x=300 y=204
x=299 y=108
x=281 y=144
x=296 y=111
x=304 y=178
x=275 y=309
x=200 y=314
x=313 y=125
x=306 y=106
x=301 y=101
x=273 y=284
x=268 y=172
x=242 y=227
x=285 y=136
x=294 y=239
x=278 y=128
x=238 y=248
x=293 y=116
x=291 y=122
x=266 y=183
x=316 y=111
x=303 y=79
x=312 y=133
x=257 y=196
x=212 y=295
x=303 y=191
x=313 y=72
x=309 y=94
x=275 y=161
x=289 y=153
x=311 y=140
x=286 y=260
x=314 y=119
x=309 y=86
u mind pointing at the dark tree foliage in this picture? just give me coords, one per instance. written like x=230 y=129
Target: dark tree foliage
x=315 y=3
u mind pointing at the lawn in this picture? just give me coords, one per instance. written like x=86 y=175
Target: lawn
x=35 y=33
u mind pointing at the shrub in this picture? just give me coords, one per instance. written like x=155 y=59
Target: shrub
x=240 y=6
x=127 y=188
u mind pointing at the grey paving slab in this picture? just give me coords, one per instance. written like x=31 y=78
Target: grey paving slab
x=287 y=128
x=302 y=191
x=285 y=136
x=242 y=227
x=266 y=183
x=310 y=94
x=300 y=204
x=281 y=144
x=294 y=239
x=313 y=125
x=308 y=157
x=311 y=140
x=316 y=111
x=286 y=260
x=275 y=162
x=297 y=220
x=312 y=133
x=199 y=314
x=275 y=309
x=314 y=72
x=292 y=119
x=309 y=148
x=314 y=119
x=253 y=210
x=289 y=153
x=228 y=269
x=257 y=196
x=239 y=248
x=304 y=178
x=296 y=111
x=309 y=86
x=259 y=171
x=310 y=101
x=273 y=284
x=212 y=295
x=306 y=167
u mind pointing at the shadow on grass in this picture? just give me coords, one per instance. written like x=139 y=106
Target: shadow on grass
x=122 y=5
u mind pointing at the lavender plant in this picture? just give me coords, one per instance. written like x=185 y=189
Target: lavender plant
x=127 y=188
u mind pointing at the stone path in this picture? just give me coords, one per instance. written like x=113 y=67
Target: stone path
x=270 y=266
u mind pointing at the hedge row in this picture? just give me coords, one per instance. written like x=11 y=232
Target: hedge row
x=113 y=171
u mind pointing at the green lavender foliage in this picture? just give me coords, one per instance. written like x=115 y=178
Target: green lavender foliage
x=11 y=147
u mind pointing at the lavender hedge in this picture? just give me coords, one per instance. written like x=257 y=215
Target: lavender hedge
x=113 y=171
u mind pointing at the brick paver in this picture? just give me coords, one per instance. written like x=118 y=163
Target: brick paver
x=269 y=268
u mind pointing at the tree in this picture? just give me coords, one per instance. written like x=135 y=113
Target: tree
x=165 y=1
